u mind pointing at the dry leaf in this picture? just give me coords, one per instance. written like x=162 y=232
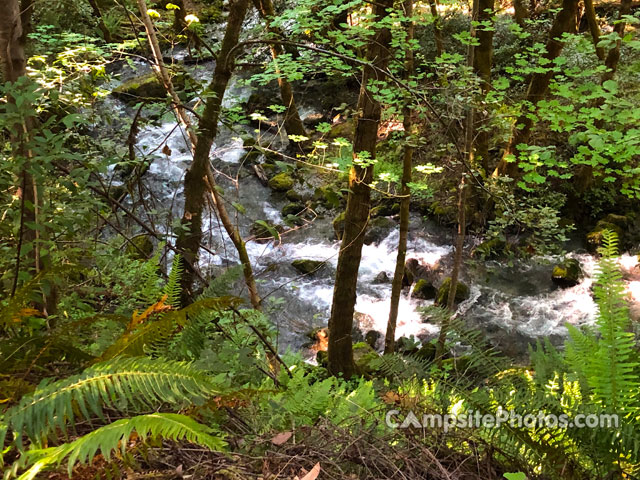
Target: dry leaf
x=313 y=474
x=280 y=438
x=166 y=150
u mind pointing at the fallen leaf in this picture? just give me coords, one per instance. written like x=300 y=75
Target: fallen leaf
x=166 y=150
x=280 y=438
x=313 y=474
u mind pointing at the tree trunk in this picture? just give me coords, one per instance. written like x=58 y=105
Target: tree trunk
x=292 y=121
x=106 y=34
x=565 y=22
x=437 y=26
x=520 y=12
x=613 y=57
x=594 y=28
x=358 y=202
x=405 y=192
x=482 y=64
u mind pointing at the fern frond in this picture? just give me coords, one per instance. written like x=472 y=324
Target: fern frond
x=220 y=285
x=115 y=436
x=120 y=384
x=172 y=289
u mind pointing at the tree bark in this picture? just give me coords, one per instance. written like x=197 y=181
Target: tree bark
x=594 y=28
x=565 y=22
x=199 y=177
x=437 y=26
x=292 y=121
x=520 y=12
x=358 y=202
x=613 y=57
x=405 y=192
x=482 y=65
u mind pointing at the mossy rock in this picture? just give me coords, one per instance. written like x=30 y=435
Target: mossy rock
x=281 y=182
x=306 y=266
x=322 y=358
x=293 y=196
x=327 y=196
x=492 y=248
x=292 y=209
x=345 y=129
x=595 y=237
x=385 y=210
x=363 y=356
x=568 y=273
x=264 y=232
x=146 y=87
x=338 y=225
x=424 y=290
x=144 y=248
x=427 y=352
x=372 y=338
x=462 y=292
x=407 y=345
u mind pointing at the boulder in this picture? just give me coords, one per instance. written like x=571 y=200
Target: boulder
x=373 y=338
x=385 y=209
x=281 y=182
x=146 y=87
x=264 y=230
x=141 y=247
x=378 y=229
x=491 y=248
x=293 y=196
x=462 y=292
x=363 y=355
x=567 y=273
x=424 y=290
x=595 y=237
x=307 y=267
x=382 y=277
x=292 y=209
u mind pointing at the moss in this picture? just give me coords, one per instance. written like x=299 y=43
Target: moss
x=594 y=237
x=260 y=231
x=462 y=292
x=146 y=87
x=491 y=248
x=424 y=290
x=281 y=182
x=293 y=196
x=306 y=266
x=144 y=248
x=292 y=209
x=567 y=273
x=363 y=356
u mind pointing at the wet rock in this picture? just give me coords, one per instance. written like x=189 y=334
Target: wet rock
x=567 y=273
x=386 y=209
x=382 y=277
x=363 y=321
x=363 y=355
x=374 y=339
x=146 y=87
x=141 y=249
x=264 y=230
x=424 y=290
x=293 y=196
x=408 y=277
x=292 y=209
x=307 y=267
x=462 y=292
x=338 y=225
x=378 y=229
x=281 y=182
x=492 y=248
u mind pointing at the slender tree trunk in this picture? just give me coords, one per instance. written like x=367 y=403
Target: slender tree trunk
x=565 y=22
x=462 y=195
x=292 y=121
x=106 y=34
x=594 y=28
x=358 y=202
x=405 y=192
x=437 y=26
x=482 y=64
x=199 y=177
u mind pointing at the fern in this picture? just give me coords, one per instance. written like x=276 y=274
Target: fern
x=172 y=288
x=121 y=384
x=116 y=436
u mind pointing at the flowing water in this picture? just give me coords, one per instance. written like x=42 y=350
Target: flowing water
x=513 y=303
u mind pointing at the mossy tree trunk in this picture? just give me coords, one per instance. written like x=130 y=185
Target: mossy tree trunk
x=594 y=28
x=405 y=192
x=106 y=34
x=565 y=22
x=292 y=121
x=340 y=352
x=437 y=26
